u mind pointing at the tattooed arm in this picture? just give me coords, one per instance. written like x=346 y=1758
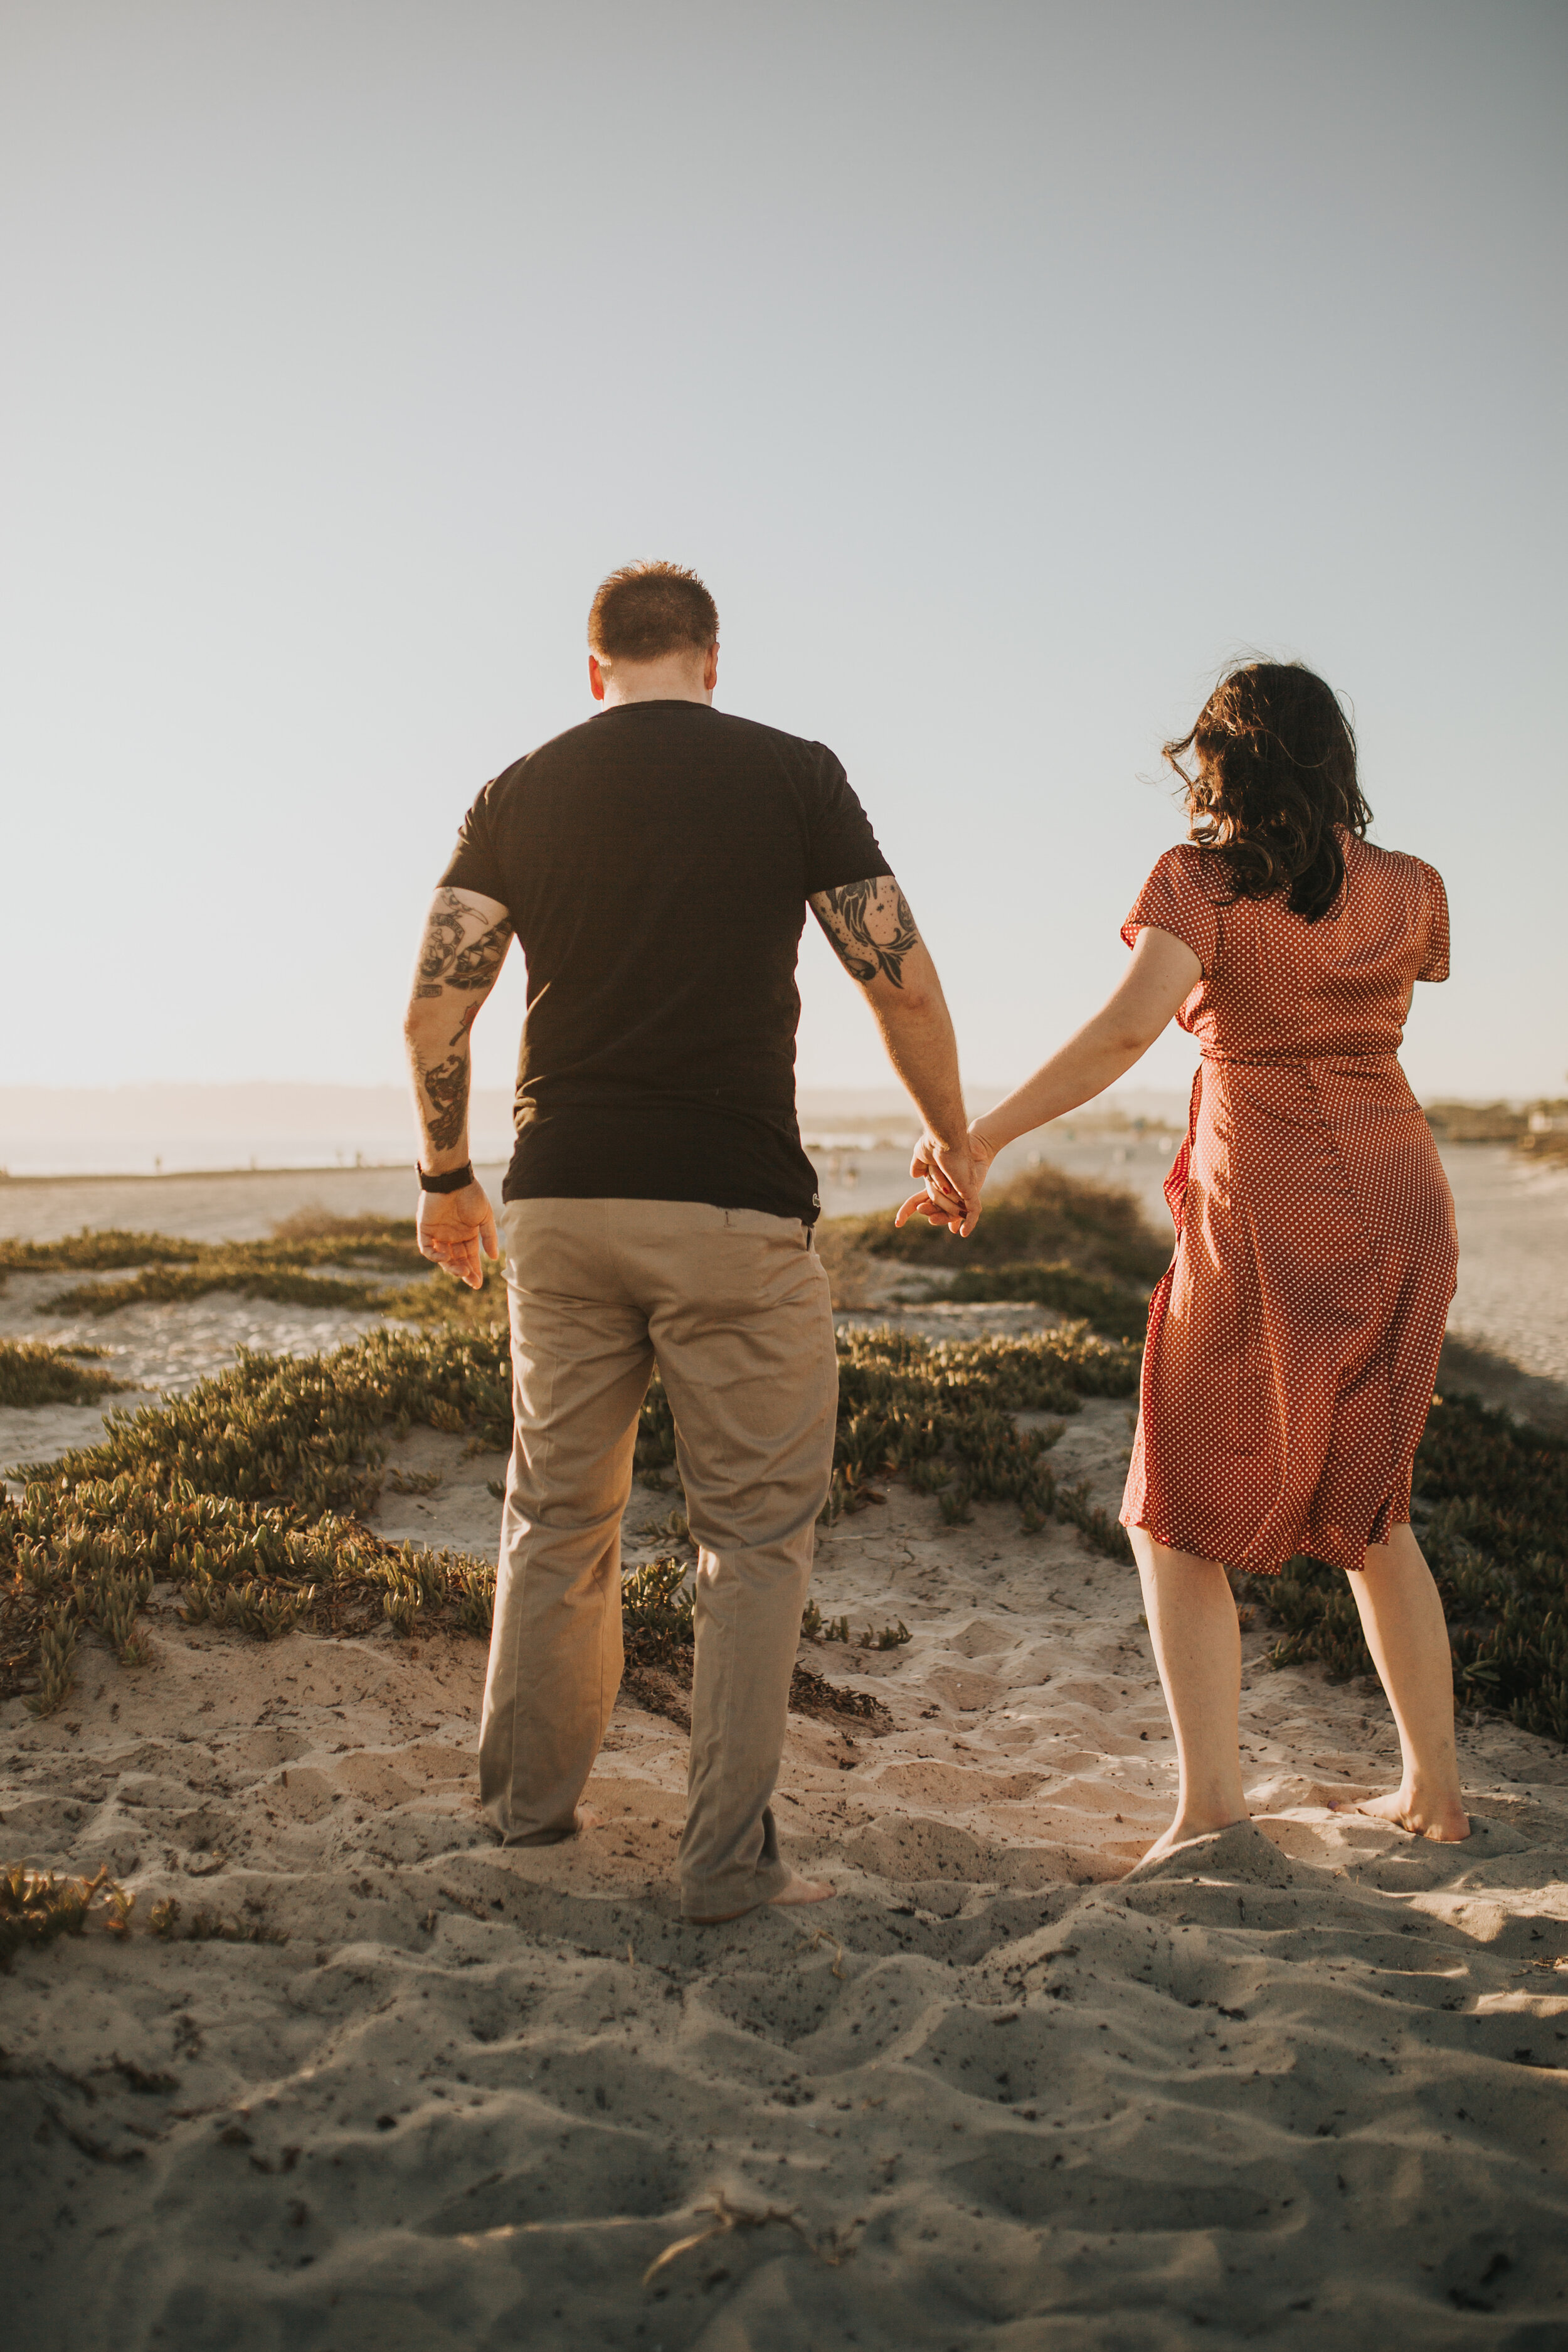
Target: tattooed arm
x=465 y=943
x=872 y=933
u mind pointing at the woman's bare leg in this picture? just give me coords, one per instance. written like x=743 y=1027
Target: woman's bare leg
x=1402 y=1618
x=1197 y=1648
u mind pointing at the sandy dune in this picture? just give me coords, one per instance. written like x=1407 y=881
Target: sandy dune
x=1305 y=2082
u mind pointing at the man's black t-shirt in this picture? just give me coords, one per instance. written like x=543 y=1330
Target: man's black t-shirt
x=655 y=863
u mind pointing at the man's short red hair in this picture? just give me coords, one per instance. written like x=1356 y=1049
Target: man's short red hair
x=645 y=611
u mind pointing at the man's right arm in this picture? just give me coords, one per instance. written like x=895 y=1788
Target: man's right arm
x=466 y=939
x=874 y=934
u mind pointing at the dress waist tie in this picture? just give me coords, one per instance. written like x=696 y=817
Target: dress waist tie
x=1175 y=1185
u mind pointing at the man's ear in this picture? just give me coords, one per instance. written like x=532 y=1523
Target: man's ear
x=595 y=678
x=710 y=669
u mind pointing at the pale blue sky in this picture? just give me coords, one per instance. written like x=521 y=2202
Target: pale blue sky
x=1004 y=369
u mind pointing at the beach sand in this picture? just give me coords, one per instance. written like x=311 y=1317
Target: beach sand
x=1306 y=2082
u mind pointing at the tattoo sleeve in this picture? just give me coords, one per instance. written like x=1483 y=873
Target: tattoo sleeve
x=443 y=1090
x=458 y=950
x=460 y=954
x=869 y=927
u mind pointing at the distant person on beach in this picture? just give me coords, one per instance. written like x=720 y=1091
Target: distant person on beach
x=656 y=865
x=1294 y=1340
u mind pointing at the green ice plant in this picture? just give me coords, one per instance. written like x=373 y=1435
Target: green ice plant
x=247 y=1499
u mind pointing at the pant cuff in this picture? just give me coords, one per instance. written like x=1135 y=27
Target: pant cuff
x=736 y=1895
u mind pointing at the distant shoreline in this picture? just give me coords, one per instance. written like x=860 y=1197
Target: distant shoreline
x=184 y=1175
x=1151 y=1130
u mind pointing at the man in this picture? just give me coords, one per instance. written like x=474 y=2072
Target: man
x=656 y=864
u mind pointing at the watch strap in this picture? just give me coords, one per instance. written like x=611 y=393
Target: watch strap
x=453 y=1181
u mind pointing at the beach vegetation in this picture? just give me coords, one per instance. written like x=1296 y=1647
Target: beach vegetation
x=37 y=1905
x=1491 y=1513
x=32 y=1374
x=658 y=1635
x=162 y=1269
x=56 y=1636
x=246 y=1502
x=816 y=1627
x=1119 y=1309
x=1043 y=1217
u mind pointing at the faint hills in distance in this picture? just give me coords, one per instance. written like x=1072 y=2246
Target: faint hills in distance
x=131 y=1130
x=169 y=1129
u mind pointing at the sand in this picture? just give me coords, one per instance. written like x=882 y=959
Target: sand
x=1307 y=2081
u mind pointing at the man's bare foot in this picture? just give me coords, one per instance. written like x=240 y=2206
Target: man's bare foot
x=1182 y=1832
x=1445 y=1823
x=795 y=1890
x=803 y=1890
x=584 y=1818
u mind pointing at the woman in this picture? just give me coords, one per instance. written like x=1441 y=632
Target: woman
x=1293 y=1342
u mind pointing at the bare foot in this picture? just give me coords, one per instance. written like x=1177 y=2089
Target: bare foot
x=1182 y=1832
x=584 y=1818
x=803 y=1890
x=795 y=1890
x=1445 y=1824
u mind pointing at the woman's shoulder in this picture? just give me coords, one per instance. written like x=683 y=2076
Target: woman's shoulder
x=1191 y=868
x=1179 y=896
x=1393 y=868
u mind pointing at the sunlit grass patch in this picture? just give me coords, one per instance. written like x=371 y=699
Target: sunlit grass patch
x=1120 y=1308
x=1492 y=1511
x=36 y=1907
x=33 y=1374
x=154 y=1266
x=1043 y=1217
x=251 y=1493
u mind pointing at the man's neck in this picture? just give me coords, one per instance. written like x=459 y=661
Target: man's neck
x=662 y=681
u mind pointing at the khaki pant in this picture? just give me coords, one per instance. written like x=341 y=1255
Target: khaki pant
x=733 y=1307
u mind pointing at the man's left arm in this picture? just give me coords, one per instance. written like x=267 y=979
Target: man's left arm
x=460 y=956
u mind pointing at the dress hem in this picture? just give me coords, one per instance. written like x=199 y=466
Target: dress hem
x=1261 y=1567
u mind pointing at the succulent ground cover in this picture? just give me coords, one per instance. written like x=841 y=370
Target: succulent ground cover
x=1046 y=1239
x=1120 y=1308
x=1491 y=1507
x=1491 y=1497
x=152 y=1267
x=250 y=1493
x=1043 y=1217
x=31 y=1374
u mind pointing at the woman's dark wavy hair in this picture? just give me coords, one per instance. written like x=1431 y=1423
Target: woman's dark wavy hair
x=1274 y=774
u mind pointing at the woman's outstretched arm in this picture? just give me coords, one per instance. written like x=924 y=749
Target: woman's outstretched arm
x=1163 y=973
x=1161 y=976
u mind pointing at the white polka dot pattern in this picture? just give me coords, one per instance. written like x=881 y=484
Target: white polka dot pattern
x=1294 y=1340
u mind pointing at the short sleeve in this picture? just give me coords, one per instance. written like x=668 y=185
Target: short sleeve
x=473 y=864
x=840 y=844
x=1434 y=964
x=1174 y=900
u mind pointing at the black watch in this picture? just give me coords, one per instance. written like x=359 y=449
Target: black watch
x=453 y=1181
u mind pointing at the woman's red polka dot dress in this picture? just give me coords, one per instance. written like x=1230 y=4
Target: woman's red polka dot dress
x=1294 y=1340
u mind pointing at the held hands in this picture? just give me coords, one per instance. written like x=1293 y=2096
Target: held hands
x=953 y=1176
x=453 y=1230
